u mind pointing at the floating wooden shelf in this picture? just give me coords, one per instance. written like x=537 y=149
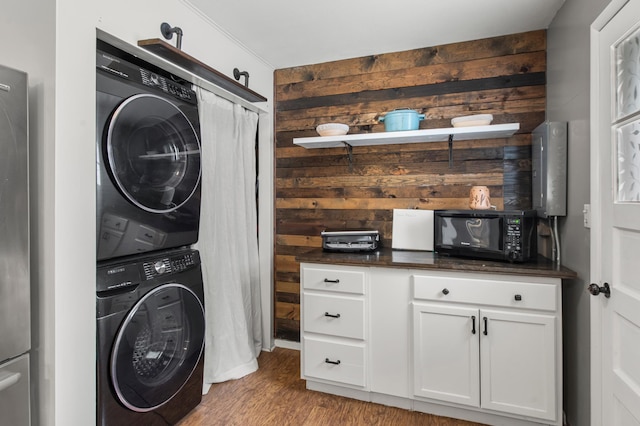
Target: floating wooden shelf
x=191 y=64
x=449 y=134
x=411 y=136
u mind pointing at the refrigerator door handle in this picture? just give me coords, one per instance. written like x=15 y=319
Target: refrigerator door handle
x=9 y=380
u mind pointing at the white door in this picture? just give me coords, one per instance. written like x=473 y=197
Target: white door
x=518 y=363
x=615 y=236
x=446 y=353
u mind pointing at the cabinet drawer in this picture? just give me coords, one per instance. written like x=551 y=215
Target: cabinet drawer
x=486 y=292
x=333 y=278
x=333 y=315
x=338 y=362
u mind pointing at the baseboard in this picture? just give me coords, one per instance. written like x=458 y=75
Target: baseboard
x=287 y=344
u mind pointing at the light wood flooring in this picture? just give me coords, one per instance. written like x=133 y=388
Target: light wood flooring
x=275 y=395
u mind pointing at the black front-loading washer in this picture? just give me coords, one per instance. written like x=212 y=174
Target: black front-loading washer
x=148 y=157
x=150 y=338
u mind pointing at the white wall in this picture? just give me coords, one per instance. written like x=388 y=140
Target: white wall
x=568 y=39
x=55 y=43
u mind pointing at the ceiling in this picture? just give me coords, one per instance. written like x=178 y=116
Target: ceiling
x=287 y=33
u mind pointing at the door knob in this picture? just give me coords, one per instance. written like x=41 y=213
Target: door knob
x=595 y=290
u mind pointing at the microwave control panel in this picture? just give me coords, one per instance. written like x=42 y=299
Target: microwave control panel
x=513 y=239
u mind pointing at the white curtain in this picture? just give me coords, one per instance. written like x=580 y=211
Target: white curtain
x=228 y=241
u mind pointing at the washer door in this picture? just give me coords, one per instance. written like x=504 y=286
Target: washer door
x=157 y=347
x=153 y=153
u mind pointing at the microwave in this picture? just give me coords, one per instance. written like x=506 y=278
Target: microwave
x=486 y=234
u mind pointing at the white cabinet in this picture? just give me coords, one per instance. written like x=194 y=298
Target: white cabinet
x=487 y=343
x=478 y=347
x=334 y=328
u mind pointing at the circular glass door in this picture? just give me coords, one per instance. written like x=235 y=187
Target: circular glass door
x=153 y=153
x=157 y=347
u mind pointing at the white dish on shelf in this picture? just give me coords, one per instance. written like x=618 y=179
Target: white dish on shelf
x=472 y=120
x=332 y=129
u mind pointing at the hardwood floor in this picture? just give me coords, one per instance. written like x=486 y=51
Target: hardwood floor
x=275 y=395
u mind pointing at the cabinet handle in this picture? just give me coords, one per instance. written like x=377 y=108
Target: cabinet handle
x=328 y=361
x=486 y=331
x=327 y=314
x=518 y=297
x=327 y=280
x=445 y=291
x=473 y=326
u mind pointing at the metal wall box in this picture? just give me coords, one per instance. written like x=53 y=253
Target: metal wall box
x=549 y=169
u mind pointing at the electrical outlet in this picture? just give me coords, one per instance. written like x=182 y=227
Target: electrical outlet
x=586 y=211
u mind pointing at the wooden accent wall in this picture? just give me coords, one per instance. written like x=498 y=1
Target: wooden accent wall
x=318 y=189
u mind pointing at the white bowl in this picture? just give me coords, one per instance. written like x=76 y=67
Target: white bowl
x=472 y=120
x=332 y=129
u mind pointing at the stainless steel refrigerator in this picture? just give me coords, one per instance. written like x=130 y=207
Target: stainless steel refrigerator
x=15 y=313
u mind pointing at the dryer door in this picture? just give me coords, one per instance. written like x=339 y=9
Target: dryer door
x=153 y=153
x=157 y=347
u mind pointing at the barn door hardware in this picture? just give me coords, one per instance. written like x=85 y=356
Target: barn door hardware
x=450 y=151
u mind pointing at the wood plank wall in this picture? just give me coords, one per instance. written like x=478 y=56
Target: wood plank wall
x=318 y=189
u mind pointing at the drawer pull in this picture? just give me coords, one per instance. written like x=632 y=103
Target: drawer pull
x=518 y=297
x=336 y=281
x=327 y=314
x=445 y=291
x=473 y=325
x=328 y=361
x=486 y=331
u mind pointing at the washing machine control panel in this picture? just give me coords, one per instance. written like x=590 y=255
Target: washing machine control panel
x=184 y=262
x=169 y=265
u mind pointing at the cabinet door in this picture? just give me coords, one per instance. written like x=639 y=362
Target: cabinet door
x=446 y=353
x=518 y=363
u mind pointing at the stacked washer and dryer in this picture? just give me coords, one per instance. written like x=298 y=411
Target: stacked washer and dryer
x=150 y=299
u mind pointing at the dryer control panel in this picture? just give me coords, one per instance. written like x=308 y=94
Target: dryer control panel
x=120 y=68
x=157 y=81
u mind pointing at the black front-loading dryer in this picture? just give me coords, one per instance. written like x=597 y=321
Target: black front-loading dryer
x=148 y=157
x=150 y=338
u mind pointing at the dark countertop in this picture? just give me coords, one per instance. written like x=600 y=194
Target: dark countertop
x=386 y=257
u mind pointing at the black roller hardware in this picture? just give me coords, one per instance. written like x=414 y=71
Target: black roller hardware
x=328 y=361
x=327 y=314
